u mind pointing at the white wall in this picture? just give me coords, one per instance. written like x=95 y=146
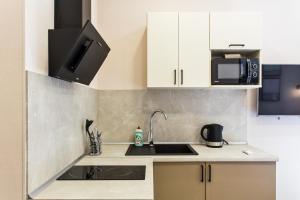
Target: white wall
x=39 y=18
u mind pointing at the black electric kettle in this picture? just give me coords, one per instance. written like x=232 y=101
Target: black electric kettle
x=213 y=136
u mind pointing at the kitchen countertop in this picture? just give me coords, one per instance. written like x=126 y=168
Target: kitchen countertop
x=114 y=154
x=229 y=153
x=103 y=189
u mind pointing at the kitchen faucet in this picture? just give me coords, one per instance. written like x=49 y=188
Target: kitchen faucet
x=150 y=134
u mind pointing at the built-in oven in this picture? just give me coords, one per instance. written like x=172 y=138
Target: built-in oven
x=235 y=71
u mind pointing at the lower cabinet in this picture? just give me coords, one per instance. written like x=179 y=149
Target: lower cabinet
x=215 y=181
x=179 y=181
x=241 y=181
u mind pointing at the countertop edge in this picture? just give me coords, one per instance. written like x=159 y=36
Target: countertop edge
x=262 y=157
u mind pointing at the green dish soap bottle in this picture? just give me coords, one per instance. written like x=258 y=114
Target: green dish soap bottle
x=139 y=137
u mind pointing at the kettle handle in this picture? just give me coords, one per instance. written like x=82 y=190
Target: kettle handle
x=202 y=132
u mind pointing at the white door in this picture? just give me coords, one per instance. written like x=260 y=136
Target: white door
x=194 y=53
x=230 y=30
x=162 y=49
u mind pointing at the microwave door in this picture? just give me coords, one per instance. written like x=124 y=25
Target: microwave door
x=228 y=73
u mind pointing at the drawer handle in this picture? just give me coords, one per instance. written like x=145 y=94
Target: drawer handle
x=237 y=45
x=175 y=76
x=209 y=173
x=202 y=173
x=181 y=77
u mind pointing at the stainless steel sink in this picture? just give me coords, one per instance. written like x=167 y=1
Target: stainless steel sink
x=161 y=149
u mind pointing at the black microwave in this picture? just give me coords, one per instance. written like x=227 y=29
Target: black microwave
x=235 y=71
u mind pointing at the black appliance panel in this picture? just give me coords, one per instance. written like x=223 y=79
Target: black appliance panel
x=280 y=92
x=71 y=13
x=271 y=83
x=105 y=172
x=80 y=58
x=270 y=90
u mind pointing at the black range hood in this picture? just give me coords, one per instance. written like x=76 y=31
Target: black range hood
x=76 y=49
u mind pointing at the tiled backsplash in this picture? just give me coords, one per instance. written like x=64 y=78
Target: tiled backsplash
x=56 y=114
x=120 y=112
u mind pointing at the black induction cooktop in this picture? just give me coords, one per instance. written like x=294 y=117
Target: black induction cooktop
x=105 y=172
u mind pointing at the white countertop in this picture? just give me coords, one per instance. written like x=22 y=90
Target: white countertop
x=228 y=153
x=114 y=154
x=103 y=189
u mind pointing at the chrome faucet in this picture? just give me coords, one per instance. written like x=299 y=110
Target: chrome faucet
x=150 y=134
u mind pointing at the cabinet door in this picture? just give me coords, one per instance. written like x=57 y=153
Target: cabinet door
x=241 y=181
x=178 y=181
x=162 y=49
x=235 y=30
x=194 y=53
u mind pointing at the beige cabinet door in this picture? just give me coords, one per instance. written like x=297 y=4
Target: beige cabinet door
x=179 y=181
x=194 y=53
x=235 y=30
x=162 y=49
x=241 y=181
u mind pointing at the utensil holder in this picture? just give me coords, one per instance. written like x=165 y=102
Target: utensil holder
x=93 y=138
x=95 y=147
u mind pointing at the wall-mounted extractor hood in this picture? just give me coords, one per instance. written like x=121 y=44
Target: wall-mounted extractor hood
x=76 y=49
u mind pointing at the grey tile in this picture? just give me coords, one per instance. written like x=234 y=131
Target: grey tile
x=56 y=113
x=120 y=112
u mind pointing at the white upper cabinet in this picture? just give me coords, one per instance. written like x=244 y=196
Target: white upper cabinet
x=194 y=53
x=178 y=50
x=162 y=49
x=180 y=45
x=233 y=30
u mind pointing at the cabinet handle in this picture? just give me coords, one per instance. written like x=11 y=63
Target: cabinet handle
x=175 y=71
x=237 y=45
x=209 y=173
x=202 y=173
x=181 y=76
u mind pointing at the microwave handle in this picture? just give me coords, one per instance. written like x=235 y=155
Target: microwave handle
x=237 y=45
x=243 y=68
x=249 y=64
x=242 y=72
